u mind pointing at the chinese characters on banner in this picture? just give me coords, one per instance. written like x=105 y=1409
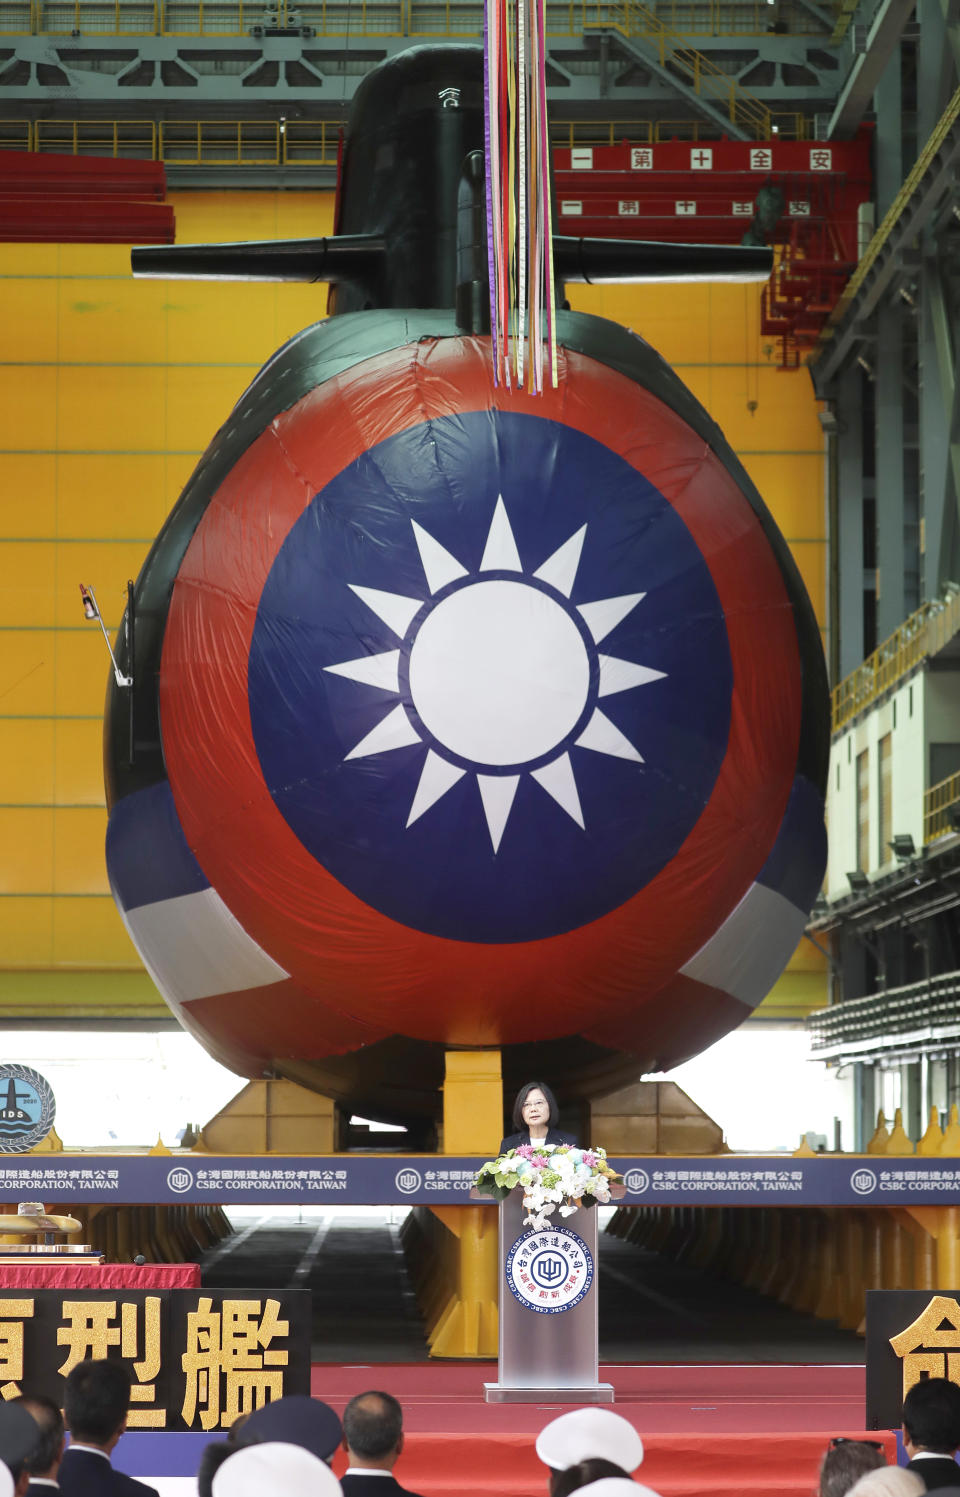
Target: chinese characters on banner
x=198 y=1359
x=911 y=1334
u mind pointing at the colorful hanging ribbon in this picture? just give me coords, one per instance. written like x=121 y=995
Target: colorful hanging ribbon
x=518 y=197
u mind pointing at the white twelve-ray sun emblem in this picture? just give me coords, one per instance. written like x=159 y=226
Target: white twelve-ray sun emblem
x=499 y=674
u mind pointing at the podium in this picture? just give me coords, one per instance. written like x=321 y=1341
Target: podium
x=548 y=1310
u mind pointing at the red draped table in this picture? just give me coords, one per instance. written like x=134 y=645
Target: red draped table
x=99 y=1276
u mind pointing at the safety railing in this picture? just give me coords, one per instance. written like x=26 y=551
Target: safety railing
x=889 y=1016
x=941 y=809
x=381 y=17
x=189 y=143
x=124 y=139
x=922 y=634
x=16 y=135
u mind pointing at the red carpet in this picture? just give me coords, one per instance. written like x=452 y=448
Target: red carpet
x=707 y=1430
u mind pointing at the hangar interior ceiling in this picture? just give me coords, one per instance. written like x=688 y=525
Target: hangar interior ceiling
x=234 y=94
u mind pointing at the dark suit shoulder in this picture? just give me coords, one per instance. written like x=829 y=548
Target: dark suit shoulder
x=84 y=1474
x=936 y=1472
x=358 y=1485
x=128 y=1486
x=515 y=1140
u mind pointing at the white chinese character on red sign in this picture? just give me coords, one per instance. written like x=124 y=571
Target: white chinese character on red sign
x=628 y=208
x=641 y=158
x=742 y=210
x=799 y=210
x=685 y=208
x=821 y=159
x=581 y=158
x=570 y=210
x=701 y=159
x=761 y=159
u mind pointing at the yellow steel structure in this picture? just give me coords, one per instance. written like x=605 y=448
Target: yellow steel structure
x=415 y=18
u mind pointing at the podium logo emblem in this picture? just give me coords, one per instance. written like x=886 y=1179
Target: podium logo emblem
x=549 y=1272
x=407 y=1181
x=180 y=1179
x=636 y=1181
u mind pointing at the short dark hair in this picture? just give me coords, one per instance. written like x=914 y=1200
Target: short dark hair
x=212 y=1459
x=931 y=1415
x=96 y=1397
x=844 y=1464
x=372 y=1424
x=562 y=1483
x=523 y=1094
x=49 y=1421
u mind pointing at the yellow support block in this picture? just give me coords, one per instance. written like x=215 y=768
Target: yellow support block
x=467 y=1325
x=933 y=1138
x=881 y=1136
x=951 y=1137
x=898 y=1142
x=472 y=1102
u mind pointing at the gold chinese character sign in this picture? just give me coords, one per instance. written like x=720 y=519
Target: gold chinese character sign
x=911 y=1335
x=198 y=1358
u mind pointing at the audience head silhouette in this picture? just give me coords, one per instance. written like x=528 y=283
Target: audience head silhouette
x=373 y=1430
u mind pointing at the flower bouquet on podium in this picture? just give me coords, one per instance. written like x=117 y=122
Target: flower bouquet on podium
x=550 y=1176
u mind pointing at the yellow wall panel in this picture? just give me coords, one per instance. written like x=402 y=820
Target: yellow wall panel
x=26 y=932
x=28 y=327
x=116 y=321
x=29 y=259
x=41 y=580
x=27 y=594
x=79 y=866
x=792 y=488
x=82 y=668
x=114 y=494
x=93 y=260
x=77 y=761
x=90 y=933
x=30 y=830
x=26 y=765
x=29 y=406
x=216 y=217
x=200 y=400
x=221 y=323
x=811 y=559
x=27 y=675
x=28 y=494
x=106 y=408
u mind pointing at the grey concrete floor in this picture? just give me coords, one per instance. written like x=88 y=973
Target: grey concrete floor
x=364 y=1310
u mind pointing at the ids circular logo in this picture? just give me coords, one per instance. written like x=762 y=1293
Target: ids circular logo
x=863 y=1181
x=408 y=1181
x=636 y=1181
x=180 y=1179
x=27 y=1109
x=549 y=1271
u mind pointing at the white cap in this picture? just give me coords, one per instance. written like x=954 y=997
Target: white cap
x=274 y=1467
x=616 y=1486
x=6 y=1481
x=590 y=1434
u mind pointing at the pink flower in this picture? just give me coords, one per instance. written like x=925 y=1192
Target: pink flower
x=538 y=1162
x=525 y=1151
x=590 y=1159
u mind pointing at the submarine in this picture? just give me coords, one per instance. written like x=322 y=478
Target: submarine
x=461 y=715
